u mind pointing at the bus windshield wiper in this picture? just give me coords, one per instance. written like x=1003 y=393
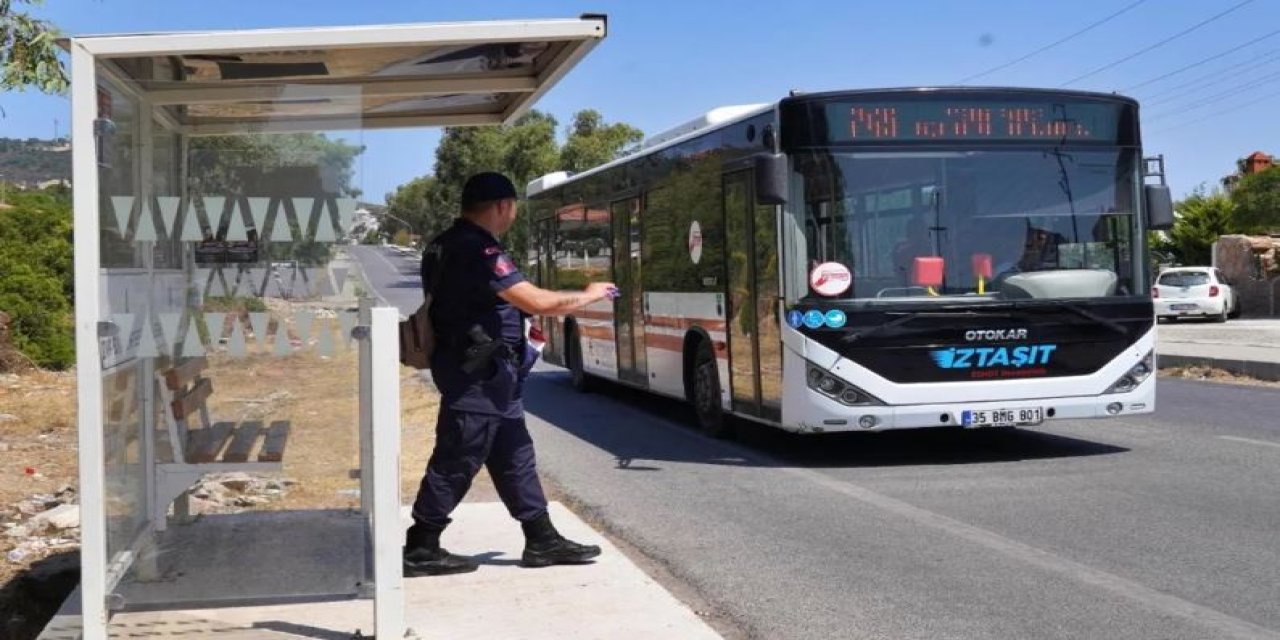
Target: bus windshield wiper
x=907 y=316
x=1080 y=311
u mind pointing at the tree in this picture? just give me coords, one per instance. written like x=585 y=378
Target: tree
x=36 y=288
x=592 y=143
x=522 y=151
x=1257 y=202
x=1201 y=219
x=28 y=53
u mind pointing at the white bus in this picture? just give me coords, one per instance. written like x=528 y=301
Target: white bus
x=868 y=260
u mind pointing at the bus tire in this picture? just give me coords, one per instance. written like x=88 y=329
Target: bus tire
x=578 y=376
x=705 y=392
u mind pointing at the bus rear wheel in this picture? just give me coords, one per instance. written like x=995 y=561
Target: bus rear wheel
x=708 y=413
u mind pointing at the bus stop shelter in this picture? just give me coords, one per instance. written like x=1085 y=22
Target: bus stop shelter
x=238 y=391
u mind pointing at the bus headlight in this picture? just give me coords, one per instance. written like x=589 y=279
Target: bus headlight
x=837 y=389
x=1134 y=377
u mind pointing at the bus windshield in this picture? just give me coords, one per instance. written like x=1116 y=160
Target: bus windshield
x=977 y=223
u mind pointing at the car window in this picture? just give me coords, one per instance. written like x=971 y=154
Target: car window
x=1184 y=278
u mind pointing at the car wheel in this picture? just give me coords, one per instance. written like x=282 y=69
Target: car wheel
x=1222 y=317
x=708 y=413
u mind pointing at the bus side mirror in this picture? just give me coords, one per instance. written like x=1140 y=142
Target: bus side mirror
x=771 y=178
x=1159 y=207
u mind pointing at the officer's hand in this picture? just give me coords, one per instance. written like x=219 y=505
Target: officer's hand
x=600 y=290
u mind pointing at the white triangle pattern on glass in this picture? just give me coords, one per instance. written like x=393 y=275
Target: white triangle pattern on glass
x=169 y=327
x=124 y=330
x=258 y=209
x=236 y=231
x=215 y=324
x=213 y=206
x=347 y=322
x=192 y=346
x=346 y=212
x=169 y=208
x=283 y=346
x=237 y=344
x=324 y=344
x=147 y=345
x=122 y=207
x=146 y=231
x=302 y=324
x=191 y=231
x=260 y=322
x=323 y=222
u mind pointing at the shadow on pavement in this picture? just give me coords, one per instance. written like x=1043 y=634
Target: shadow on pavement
x=622 y=421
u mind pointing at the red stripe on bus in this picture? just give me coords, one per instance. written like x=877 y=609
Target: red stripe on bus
x=674 y=322
x=664 y=342
x=596 y=333
x=594 y=315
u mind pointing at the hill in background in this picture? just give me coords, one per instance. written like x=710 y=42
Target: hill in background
x=30 y=163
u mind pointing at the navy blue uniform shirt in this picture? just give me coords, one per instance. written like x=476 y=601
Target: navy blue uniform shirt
x=476 y=268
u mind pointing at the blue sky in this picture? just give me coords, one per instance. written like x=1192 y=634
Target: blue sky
x=665 y=62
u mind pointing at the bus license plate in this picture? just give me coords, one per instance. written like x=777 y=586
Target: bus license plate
x=1002 y=417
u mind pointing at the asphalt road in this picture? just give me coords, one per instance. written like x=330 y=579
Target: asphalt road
x=395 y=278
x=1166 y=526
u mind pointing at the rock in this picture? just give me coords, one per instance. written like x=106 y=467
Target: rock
x=19 y=531
x=63 y=516
x=8 y=417
x=239 y=482
x=4 y=447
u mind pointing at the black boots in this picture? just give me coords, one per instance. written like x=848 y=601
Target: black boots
x=544 y=546
x=424 y=557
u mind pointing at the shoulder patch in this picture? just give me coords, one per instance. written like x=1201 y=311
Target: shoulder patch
x=503 y=266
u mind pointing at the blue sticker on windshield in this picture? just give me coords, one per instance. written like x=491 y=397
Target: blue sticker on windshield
x=813 y=319
x=836 y=318
x=795 y=318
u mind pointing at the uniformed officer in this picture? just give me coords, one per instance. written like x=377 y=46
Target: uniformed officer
x=479 y=306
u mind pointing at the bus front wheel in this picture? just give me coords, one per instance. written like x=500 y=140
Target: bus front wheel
x=706 y=393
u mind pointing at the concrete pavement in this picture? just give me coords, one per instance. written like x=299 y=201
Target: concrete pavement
x=611 y=598
x=1243 y=347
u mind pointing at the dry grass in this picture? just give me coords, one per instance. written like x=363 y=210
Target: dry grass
x=319 y=395
x=38 y=448
x=1214 y=375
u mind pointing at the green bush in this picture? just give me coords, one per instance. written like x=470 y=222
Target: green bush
x=37 y=278
x=40 y=317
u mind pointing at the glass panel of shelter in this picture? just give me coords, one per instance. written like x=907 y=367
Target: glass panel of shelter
x=230 y=375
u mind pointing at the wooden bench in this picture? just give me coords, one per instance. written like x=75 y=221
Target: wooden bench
x=202 y=446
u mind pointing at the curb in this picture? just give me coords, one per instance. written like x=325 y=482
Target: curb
x=1261 y=370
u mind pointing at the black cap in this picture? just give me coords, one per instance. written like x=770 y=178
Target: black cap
x=486 y=187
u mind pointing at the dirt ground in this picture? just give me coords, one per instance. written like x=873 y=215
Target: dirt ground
x=317 y=394
x=1210 y=374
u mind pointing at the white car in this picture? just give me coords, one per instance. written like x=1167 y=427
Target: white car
x=1200 y=292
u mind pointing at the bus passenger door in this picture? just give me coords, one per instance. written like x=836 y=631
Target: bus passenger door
x=544 y=243
x=629 y=307
x=751 y=248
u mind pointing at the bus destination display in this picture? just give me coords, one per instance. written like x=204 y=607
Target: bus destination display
x=943 y=121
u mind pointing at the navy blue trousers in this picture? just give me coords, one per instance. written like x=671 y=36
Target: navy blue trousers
x=466 y=441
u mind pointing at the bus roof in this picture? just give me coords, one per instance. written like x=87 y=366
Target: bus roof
x=711 y=120
x=723 y=116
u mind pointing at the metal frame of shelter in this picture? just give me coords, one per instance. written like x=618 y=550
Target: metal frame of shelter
x=518 y=62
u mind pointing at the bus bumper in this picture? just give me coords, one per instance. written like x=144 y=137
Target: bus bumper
x=826 y=415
